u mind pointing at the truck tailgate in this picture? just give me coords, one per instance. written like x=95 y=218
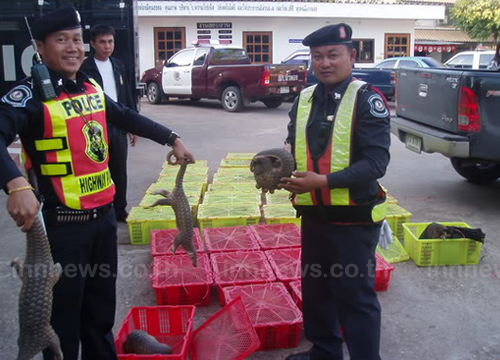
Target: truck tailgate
x=429 y=97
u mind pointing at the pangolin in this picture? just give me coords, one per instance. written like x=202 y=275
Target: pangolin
x=438 y=231
x=183 y=216
x=38 y=274
x=141 y=343
x=269 y=166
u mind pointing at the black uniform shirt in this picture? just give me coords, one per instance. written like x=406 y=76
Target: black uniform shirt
x=371 y=140
x=21 y=112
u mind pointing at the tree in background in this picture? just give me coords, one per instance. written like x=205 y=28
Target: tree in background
x=480 y=19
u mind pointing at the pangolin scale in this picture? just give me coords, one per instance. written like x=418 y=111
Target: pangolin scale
x=183 y=216
x=269 y=166
x=39 y=274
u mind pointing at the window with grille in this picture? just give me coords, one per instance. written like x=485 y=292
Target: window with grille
x=259 y=46
x=364 y=50
x=397 y=45
x=167 y=42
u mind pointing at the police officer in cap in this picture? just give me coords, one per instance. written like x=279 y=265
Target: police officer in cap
x=339 y=133
x=65 y=139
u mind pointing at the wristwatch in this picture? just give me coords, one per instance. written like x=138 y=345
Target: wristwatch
x=172 y=137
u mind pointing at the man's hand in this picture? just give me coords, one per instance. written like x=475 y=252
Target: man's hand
x=182 y=153
x=303 y=182
x=133 y=139
x=22 y=205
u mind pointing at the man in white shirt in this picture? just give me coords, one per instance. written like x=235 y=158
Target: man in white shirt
x=111 y=74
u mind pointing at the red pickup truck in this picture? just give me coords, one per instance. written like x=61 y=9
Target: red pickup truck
x=224 y=73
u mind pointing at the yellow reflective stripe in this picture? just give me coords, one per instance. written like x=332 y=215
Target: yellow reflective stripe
x=58 y=117
x=93 y=183
x=303 y=112
x=54 y=169
x=341 y=139
x=49 y=144
x=379 y=211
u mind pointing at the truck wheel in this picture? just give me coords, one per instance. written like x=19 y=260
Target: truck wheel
x=232 y=100
x=154 y=93
x=480 y=173
x=194 y=99
x=273 y=103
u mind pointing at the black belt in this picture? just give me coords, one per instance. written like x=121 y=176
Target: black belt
x=62 y=215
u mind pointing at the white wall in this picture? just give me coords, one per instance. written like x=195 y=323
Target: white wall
x=283 y=29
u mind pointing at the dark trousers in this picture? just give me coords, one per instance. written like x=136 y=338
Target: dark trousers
x=85 y=296
x=338 y=264
x=118 y=151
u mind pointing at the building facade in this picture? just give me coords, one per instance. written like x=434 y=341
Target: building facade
x=270 y=31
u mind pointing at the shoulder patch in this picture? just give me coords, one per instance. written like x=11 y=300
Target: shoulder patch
x=18 y=96
x=377 y=106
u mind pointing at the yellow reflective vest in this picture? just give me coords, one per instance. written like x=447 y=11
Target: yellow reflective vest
x=337 y=204
x=74 y=148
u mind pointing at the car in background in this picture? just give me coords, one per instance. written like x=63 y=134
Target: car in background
x=470 y=60
x=381 y=79
x=409 y=62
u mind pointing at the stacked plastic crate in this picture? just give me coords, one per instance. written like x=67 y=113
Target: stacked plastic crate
x=143 y=219
x=232 y=199
x=396 y=216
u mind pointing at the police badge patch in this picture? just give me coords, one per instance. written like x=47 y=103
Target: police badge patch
x=377 y=107
x=18 y=96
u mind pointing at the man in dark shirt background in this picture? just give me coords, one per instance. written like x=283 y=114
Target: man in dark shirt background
x=111 y=74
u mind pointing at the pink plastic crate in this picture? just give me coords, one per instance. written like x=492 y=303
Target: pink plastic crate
x=240 y=268
x=227 y=335
x=177 y=282
x=285 y=263
x=296 y=292
x=163 y=240
x=240 y=238
x=383 y=272
x=274 y=315
x=171 y=325
x=277 y=236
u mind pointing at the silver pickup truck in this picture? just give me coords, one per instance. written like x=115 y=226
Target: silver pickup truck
x=452 y=112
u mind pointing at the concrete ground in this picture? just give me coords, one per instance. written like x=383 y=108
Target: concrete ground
x=440 y=313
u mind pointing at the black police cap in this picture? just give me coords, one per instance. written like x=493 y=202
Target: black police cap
x=329 y=35
x=64 y=18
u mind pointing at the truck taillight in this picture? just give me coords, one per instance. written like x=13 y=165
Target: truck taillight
x=468 y=111
x=393 y=77
x=266 y=78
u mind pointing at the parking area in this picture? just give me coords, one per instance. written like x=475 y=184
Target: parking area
x=439 y=313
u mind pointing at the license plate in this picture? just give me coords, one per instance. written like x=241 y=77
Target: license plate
x=284 y=90
x=413 y=143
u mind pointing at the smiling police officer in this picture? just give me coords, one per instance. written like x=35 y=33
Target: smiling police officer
x=340 y=135
x=65 y=138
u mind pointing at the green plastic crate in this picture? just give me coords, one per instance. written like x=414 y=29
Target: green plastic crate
x=280 y=214
x=198 y=163
x=396 y=216
x=224 y=215
x=233 y=187
x=280 y=197
x=240 y=156
x=394 y=253
x=234 y=178
x=193 y=196
x=173 y=170
x=188 y=187
x=235 y=163
x=188 y=178
x=141 y=221
x=232 y=198
x=391 y=199
x=435 y=252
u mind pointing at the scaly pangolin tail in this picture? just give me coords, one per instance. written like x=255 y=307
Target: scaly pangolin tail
x=38 y=274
